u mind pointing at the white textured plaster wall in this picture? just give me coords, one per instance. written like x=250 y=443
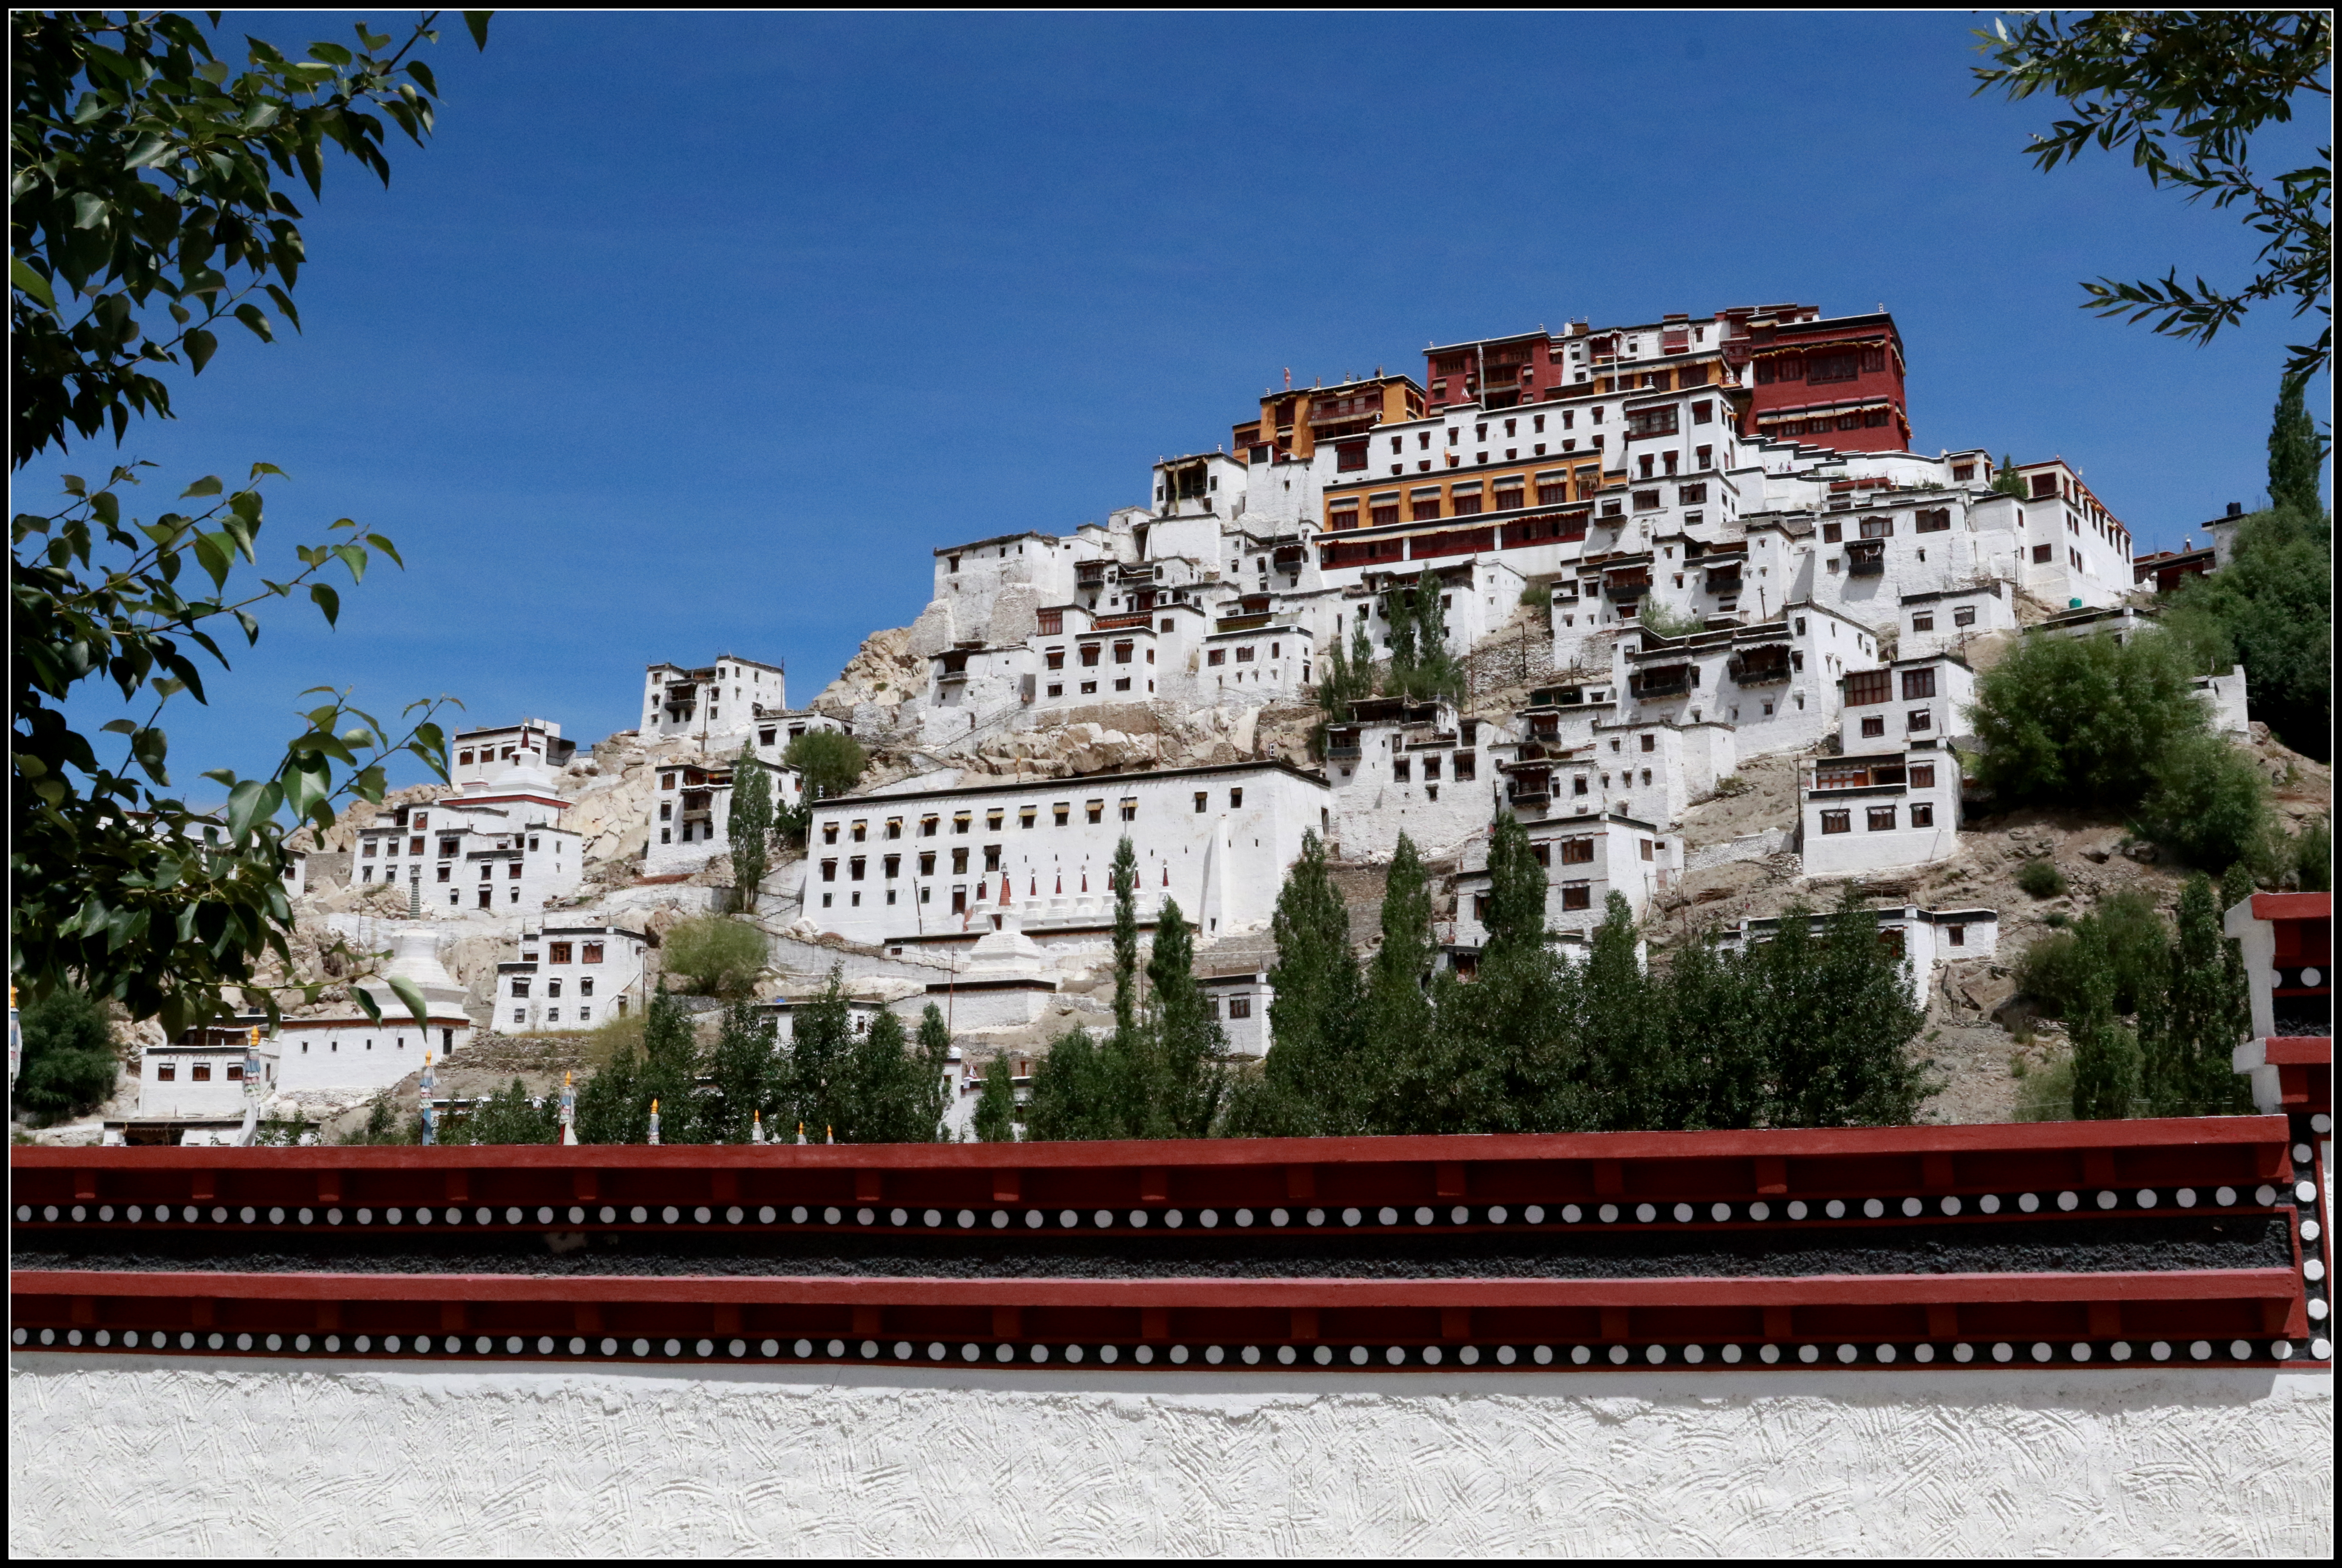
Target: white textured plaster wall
x=115 y=1455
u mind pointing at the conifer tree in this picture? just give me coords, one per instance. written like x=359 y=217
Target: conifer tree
x=2295 y=453
x=1437 y=672
x=1400 y=615
x=2006 y=480
x=1712 y=1069
x=1867 y=1076
x=814 y=1073
x=1362 y=659
x=1125 y=881
x=887 y=1097
x=1308 y=1085
x=1622 y=1034
x=749 y=825
x=607 y=1104
x=2190 y=1070
x=996 y=1106
x=670 y=1074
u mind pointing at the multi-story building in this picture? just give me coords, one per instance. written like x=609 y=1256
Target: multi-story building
x=482 y=755
x=199 y=1076
x=690 y=811
x=1585 y=859
x=1413 y=768
x=496 y=846
x=1879 y=810
x=712 y=704
x=1908 y=702
x=941 y=862
x=573 y=972
x=1946 y=622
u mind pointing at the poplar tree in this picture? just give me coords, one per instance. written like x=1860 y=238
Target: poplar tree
x=814 y=1072
x=887 y=1099
x=1712 y=1072
x=1124 y=882
x=1185 y=1084
x=1401 y=1073
x=1308 y=1083
x=935 y=1057
x=1437 y=672
x=615 y=1105
x=749 y=824
x=744 y=1072
x=2189 y=1068
x=2105 y=1055
x=2295 y=453
x=1080 y=1090
x=1860 y=1072
x=1624 y=1026
x=995 y=1107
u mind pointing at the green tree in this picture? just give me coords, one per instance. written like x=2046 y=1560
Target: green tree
x=1401 y=615
x=889 y=1098
x=2084 y=723
x=996 y=1106
x=142 y=175
x=716 y=955
x=669 y=1077
x=71 y=1061
x=1309 y=1082
x=2189 y=1068
x=1404 y=1070
x=513 y=1115
x=830 y=761
x=2125 y=933
x=745 y=1070
x=935 y=1055
x=2273 y=606
x=1712 y=1070
x=1662 y=622
x=1623 y=1034
x=2006 y=480
x=749 y=825
x=1843 y=1024
x=814 y=1072
x=2105 y=1053
x=1124 y=879
x=2209 y=801
x=1185 y=1076
x=385 y=1126
x=1422 y=667
x=1080 y=1090
x=2184 y=92
x=2296 y=452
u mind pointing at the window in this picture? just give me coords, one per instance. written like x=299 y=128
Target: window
x=1833 y=531
x=1840 y=820
x=1935 y=521
x=1382 y=515
x=1130 y=808
x=1842 y=365
x=1026 y=816
x=1652 y=421
x=1919 y=683
x=1401 y=770
x=1203 y=800
x=854 y=866
x=1430 y=769
x=1056 y=658
x=1095 y=811
x=2041 y=555
x=1122 y=653
x=1090 y=656
x=1465 y=766
x=1216 y=656
x=1646 y=500
x=1578 y=896
x=959 y=861
x=1955 y=936
x=927 y=864
x=1923 y=623
x=1235 y=799
x=927 y=825
x=1244 y=654
x=1062 y=812
x=1342 y=517
x=1923 y=813
x=829 y=870
x=1874 y=726
x=1650 y=742
x=962 y=820
x=1691 y=494
x=1577 y=851
x=1866 y=686
x=1239 y=1007
x=1879 y=819
x=1917 y=721
x=829 y=833
x=1923 y=776
x=1467 y=503
x=169 y=1072
x=1648 y=847
x=202 y=1072
x=1350 y=456
x=1702 y=411
x=2043 y=486
x=894 y=866
x=1424 y=508
x=1878 y=527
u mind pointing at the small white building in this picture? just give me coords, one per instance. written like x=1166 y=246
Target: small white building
x=497 y=846
x=1879 y=810
x=199 y=1077
x=919 y=863
x=574 y=973
x=485 y=753
x=711 y=703
x=2225 y=701
x=1585 y=860
x=1413 y=768
x=1945 y=622
x=1909 y=700
x=1239 y=1000
x=345 y=1050
x=1924 y=938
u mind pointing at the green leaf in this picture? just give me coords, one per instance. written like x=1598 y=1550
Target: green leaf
x=212 y=556
x=408 y=993
x=366 y=1004
x=208 y=484
x=332 y=54
x=326 y=600
x=387 y=548
x=248 y=804
x=31 y=281
x=354 y=556
x=477 y=21
x=422 y=73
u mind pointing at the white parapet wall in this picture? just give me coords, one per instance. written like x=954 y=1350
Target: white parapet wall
x=220 y=1457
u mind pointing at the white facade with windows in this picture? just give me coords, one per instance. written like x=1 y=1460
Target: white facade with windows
x=713 y=704
x=344 y=1048
x=1585 y=860
x=1947 y=620
x=200 y=1075
x=496 y=847
x=1924 y=938
x=483 y=754
x=1240 y=999
x=1908 y=702
x=1412 y=768
x=571 y=973
x=915 y=864
x=690 y=810
x=1879 y=810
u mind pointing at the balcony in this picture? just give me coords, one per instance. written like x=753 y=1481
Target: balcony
x=1091 y=573
x=1530 y=791
x=1866 y=558
x=1760 y=666
x=1668 y=681
x=1238 y=622
x=1724 y=580
x=1342 y=751
x=1122 y=623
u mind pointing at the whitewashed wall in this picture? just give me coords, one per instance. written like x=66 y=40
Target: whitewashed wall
x=184 y=1457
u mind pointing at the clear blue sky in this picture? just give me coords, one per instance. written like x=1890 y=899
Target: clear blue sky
x=697 y=333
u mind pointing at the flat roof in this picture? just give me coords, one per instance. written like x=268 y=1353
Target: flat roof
x=1046 y=786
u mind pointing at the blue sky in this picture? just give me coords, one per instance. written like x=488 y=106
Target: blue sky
x=698 y=334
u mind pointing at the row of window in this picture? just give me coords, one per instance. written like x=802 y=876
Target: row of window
x=553 y=1014
x=1864 y=687
x=449 y=847
x=1061 y=813
x=1878 y=818
x=201 y=1072
x=1825 y=364
x=1054 y=658
x=1962 y=615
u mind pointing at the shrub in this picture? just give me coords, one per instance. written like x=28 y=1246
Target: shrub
x=830 y=761
x=511 y=1115
x=2123 y=933
x=1662 y=622
x=71 y=1061
x=2313 y=857
x=2047 y=1095
x=1537 y=595
x=2041 y=878
x=715 y=955
x=2273 y=606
